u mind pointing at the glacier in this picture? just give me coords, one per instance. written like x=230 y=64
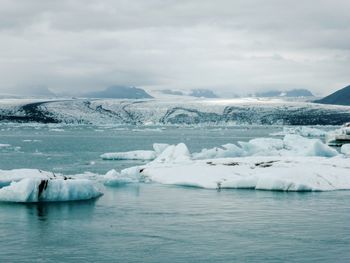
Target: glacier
x=173 y=112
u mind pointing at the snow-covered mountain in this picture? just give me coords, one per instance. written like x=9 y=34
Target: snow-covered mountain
x=173 y=112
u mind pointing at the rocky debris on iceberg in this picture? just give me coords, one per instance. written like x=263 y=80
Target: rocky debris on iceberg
x=29 y=185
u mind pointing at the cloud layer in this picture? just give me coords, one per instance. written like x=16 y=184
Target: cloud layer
x=231 y=46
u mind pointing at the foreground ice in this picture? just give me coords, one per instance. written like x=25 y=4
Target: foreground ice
x=29 y=185
x=261 y=173
x=290 y=164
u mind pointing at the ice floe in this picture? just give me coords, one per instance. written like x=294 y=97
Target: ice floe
x=113 y=178
x=345 y=149
x=290 y=145
x=293 y=163
x=29 y=185
x=304 y=131
x=260 y=173
x=138 y=154
x=132 y=155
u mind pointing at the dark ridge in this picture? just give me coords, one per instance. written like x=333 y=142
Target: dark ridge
x=33 y=112
x=340 y=97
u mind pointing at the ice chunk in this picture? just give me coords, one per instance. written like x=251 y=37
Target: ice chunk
x=226 y=150
x=262 y=146
x=159 y=147
x=8 y=176
x=49 y=190
x=345 y=149
x=174 y=153
x=113 y=178
x=132 y=155
x=300 y=146
x=264 y=173
x=304 y=131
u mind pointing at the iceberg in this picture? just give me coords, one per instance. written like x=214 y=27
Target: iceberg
x=304 y=131
x=290 y=145
x=174 y=153
x=49 y=190
x=259 y=173
x=132 y=155
x=293 y=163
x=31 y=185
x=137 y=155
x=345 y=149
x=113 y=178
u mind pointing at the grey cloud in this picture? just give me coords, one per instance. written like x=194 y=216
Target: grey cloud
x=226 y=45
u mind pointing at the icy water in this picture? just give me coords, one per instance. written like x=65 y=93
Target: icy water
x=157 y=223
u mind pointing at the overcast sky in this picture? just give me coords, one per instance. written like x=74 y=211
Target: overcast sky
x=239 y=46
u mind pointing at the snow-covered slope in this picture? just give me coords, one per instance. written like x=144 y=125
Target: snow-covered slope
x=175 y=111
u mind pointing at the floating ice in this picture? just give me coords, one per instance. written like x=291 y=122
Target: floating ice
x=290 y=145
x=9 y=176
x=261 y=173
x=4 y=145
x=137 y=155
x=49 y=190
x=302 y=130
x=345 y=149
x=30 y=185
x=174 y=153
x=113 y=178
x=226 y=150
x=132 y=155
x=159 y=147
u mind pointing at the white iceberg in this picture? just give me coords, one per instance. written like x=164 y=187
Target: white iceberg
x=304 y=131
x=49 y=190
x=132 y=155
x=29 y=185
x=261 y=173
x=290 y=145
x=137 y=155
x=345 y=149
x=113 y=178
x=15 y=175
x=174 y=153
